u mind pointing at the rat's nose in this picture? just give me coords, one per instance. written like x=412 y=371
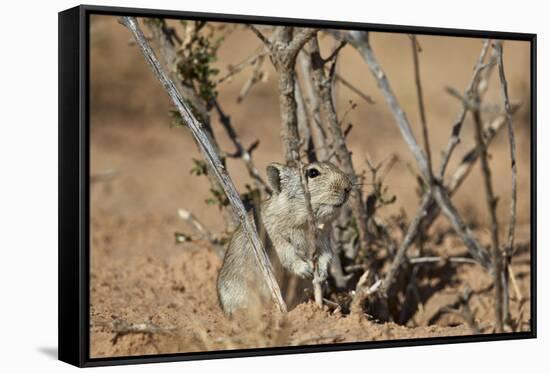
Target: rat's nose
x=347 y=190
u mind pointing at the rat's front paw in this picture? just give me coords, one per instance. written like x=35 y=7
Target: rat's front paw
x=324 y=262
x=323 y=275
x=303 y=269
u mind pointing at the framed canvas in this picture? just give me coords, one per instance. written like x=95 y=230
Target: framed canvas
x=235 y=186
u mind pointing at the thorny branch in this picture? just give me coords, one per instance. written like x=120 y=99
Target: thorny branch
x=212 y=158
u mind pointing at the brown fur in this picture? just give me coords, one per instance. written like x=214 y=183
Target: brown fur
x=240 y=283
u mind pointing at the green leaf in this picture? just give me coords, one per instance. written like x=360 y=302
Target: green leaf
x=177 y=121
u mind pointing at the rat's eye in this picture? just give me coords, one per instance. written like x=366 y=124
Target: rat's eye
x=312 y=172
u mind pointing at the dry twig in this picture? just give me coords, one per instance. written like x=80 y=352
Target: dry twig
x=233 y=70
x=454 y=139
x=204 y=234
x=438 y=259
x=421 y=109
x=509 y=248
x=353 y=88
x=362 y=292
x=257 y=76
x=122 y=327
x=318 y=133
x=400 y=255
x=241 y=152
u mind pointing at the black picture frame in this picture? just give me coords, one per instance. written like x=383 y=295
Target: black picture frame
x=74 y=230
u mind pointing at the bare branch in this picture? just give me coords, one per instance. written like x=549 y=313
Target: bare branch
x=400 y=255
x=354 y=89
x=471 y=156
x=204 y=234
x=509 y=109
x=421 y=106
x=304 y=127
x=335 y=52
x=468 y=161
x=438 y=259
x=284 y=49
x=360 y=41
x=319 y=137
x=466 y=102
x=513 y=201
x=299 y=40
x=444 y=202
x=362 y=292
x=519 y=296
x=256 y=76
x=261 y=36
x=122 y=327
x=311 y=238
x=235 y=69
x=212 y=158
x=457 y=126
x=491 y=207
x=318 y=133
x=324 y=87
x=242 y=152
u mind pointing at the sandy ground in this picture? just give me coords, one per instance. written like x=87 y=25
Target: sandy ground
x=140 y=275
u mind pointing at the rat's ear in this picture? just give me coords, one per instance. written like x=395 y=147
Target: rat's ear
x=274 y=176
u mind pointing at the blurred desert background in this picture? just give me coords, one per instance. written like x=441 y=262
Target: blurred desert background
x=139 y=274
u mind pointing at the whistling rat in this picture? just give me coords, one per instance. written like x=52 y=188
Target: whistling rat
x=240 y=283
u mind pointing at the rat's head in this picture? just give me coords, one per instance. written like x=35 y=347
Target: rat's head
x=329 y=187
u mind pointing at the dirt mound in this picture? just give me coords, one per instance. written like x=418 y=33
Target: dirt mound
x=141 y=277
